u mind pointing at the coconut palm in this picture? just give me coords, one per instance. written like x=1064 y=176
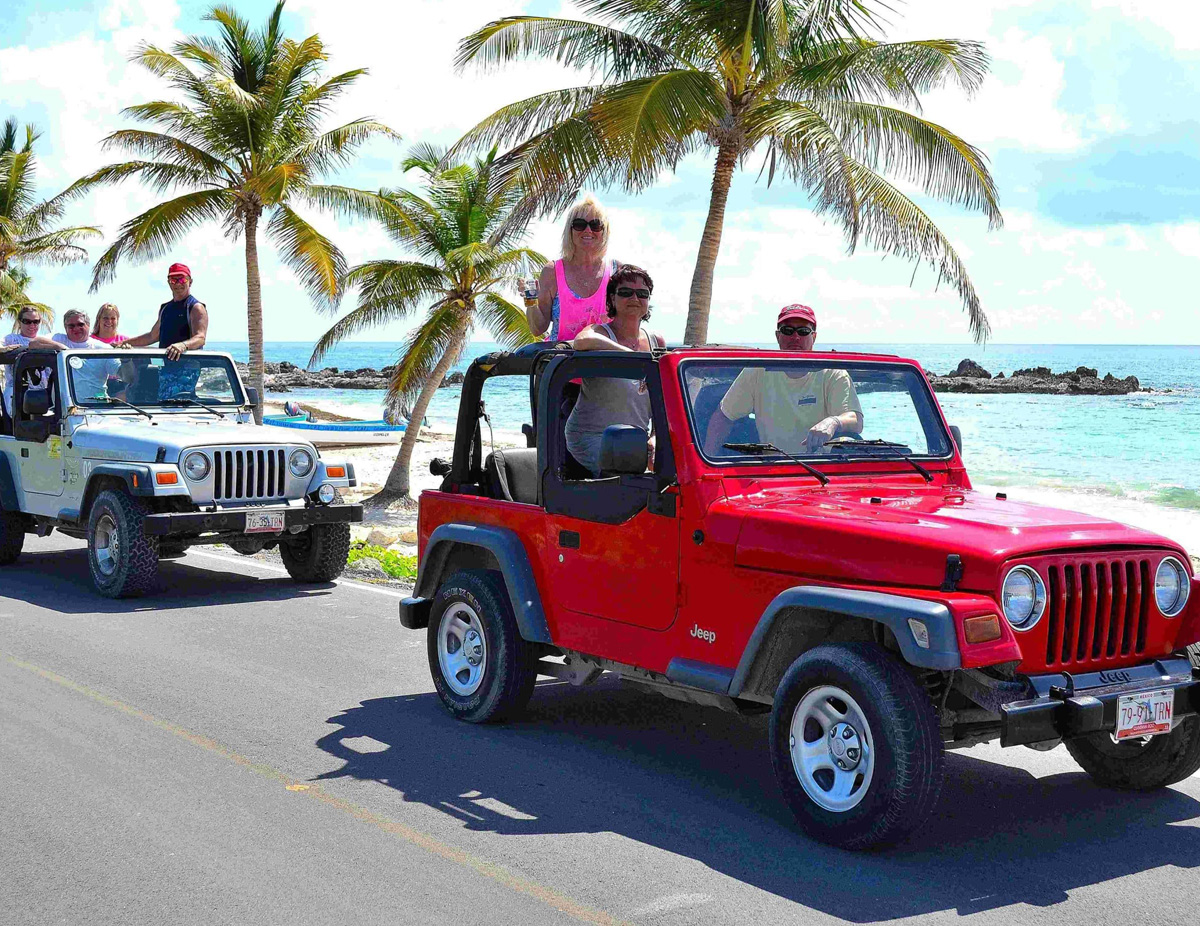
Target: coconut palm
x=465 y=237
x=246 y=142
x=806 y=83
x=27 y=232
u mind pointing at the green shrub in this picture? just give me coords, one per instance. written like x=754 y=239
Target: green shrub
x=396 y=565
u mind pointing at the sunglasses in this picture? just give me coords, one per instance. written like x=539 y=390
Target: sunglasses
x=789 y=330
x=625 y=292
x=177 y=279
x=580 y=224
x=30 y=321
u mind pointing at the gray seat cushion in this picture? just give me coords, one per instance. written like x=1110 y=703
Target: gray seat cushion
x=513 y=475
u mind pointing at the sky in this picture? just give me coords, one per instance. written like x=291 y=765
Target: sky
x=1089 y=118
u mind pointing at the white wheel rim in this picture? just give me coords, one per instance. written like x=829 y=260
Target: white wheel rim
x=833 y=752
x=108 y=545
x=462 y=649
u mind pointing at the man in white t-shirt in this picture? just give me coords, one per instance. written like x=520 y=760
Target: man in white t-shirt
x=798 y=411
x=89 y=381
x=29 y=320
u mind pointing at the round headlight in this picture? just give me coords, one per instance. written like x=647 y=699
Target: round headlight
x=196 y=466
x=1023 y=597
x=326 y=493
x=300 y=462
x=1171 y=586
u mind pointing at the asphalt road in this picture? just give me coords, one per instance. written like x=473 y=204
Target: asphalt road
x=239 y=749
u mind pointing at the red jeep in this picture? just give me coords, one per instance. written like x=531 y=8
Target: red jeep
x=862 y=592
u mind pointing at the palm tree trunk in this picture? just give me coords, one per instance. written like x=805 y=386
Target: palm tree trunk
x=254 y=328
x=398 y=485
x=700 y=297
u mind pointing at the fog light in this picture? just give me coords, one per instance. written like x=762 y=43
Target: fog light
x=982 y=629
x=326 y=493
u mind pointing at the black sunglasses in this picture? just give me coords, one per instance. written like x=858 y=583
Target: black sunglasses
x=625 y=292
x=30 y=321
x=580 y=224
x=788 y=330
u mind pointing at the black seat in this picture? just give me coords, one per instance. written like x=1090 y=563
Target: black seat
x=512 y=475
x=706 y=404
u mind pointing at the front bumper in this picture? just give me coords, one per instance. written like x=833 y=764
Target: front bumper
x=234 y=519
x=1070 y=706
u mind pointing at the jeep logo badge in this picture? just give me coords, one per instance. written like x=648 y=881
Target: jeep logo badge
x=708 y=636
x=1115 y=675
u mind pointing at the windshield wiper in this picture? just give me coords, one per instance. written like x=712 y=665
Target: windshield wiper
x=846 y=452
x=182 y=401
x=771 y=448
x=140 y=411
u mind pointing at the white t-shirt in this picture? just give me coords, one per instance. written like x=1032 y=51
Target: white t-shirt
x=785 y=408
x=89 y=381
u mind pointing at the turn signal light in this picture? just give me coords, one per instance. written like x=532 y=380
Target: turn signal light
x=166 y=479
x=335 y=472
x=982 y=629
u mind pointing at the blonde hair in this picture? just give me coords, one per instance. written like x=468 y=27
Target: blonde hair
x=587 y=207
x=100 y=315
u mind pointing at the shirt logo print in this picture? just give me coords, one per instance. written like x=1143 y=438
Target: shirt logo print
x=807 y=400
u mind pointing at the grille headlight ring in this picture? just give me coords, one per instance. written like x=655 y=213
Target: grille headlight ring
x=300 y=463
x=196 y=466
x=1171 y=587
x=1023 y=597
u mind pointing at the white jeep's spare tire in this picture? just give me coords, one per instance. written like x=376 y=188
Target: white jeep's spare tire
x=123 y=559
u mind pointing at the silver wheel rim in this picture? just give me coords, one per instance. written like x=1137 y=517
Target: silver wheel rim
x=108 y=545
x=833 y=753
x=462 y=650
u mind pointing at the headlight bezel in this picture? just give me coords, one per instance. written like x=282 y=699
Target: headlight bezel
x=1185 y=586
x=308 y=468
x=1038 y=611
x=196 y=455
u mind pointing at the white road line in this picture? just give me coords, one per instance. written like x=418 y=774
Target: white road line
x=247 y=561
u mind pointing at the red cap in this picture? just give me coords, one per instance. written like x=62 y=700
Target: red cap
x=179 y=268
x=797 y=311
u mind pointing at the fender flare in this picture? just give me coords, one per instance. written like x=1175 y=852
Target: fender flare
x=506 y=547
x=893 y=611
x=9 y=501
x=125 y=472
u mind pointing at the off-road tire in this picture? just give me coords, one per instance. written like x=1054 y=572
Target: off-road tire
x=12 y=536
x=909 y=761
x=1137 y=765
x=135 y=566
x=318 y=554
x=510 y=669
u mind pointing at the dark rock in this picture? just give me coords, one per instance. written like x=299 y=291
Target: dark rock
x=969 y=368
x=999 y=375
x=453 y=379
x=1087 y=371
x=1081 y=381
x=287 y=367
x=278 y=388
x=1034 y=373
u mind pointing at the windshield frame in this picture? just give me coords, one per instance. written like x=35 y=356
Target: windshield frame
x=824 y=360
x=95 y=406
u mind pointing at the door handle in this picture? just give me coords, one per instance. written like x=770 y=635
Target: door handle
x=568 y=540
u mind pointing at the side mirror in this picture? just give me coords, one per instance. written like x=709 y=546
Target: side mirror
x=252 y=396
x=36 y=402
x=439 y=467
x=623 y=449
x=956 y=433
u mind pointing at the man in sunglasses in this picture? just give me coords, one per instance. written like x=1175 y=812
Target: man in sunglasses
x=798 y=410
x=182 y=323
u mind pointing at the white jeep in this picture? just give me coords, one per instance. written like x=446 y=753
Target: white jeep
x=144 y=456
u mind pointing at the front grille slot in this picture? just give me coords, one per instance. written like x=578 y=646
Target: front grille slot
x=1096 y=610
x=249 y=475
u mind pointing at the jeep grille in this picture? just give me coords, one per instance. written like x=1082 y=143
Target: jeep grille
x=249 y=475
x=1098 y=609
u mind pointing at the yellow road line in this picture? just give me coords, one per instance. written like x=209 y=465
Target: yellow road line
x=425 y=841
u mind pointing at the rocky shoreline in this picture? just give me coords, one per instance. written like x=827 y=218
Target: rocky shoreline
x=285 y=376
x=969 y=376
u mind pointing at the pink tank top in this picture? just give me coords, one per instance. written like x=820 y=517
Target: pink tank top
x=570 y=314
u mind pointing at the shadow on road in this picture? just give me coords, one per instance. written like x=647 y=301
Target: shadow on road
x=698 y=783
x=61 y=581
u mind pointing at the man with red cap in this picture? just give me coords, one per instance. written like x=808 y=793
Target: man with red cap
x=182 y=323
x=798 y=410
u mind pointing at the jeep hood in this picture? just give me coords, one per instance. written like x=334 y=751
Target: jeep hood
x=137 y=439
x=903 y=537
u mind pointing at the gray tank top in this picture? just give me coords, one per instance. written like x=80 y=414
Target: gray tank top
x=608 y=400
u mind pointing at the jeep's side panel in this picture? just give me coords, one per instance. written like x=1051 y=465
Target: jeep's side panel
x=9 y=499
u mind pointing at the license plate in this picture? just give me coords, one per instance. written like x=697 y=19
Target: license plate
x=264 y=522
x=1146 y=713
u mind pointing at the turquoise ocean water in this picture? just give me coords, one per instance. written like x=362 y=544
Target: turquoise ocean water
x=1143 y=447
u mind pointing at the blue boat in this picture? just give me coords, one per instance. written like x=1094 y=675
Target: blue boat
x=339 y=433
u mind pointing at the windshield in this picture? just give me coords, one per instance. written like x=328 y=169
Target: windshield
x=117 y=377
x=826 y=410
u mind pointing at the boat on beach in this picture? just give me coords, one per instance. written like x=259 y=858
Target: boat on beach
x=338 y=433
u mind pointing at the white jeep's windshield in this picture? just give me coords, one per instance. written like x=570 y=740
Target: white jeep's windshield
x=812 y=409
x=116 y=377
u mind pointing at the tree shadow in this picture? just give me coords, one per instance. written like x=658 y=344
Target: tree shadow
x=61 y=581
x=699 y=783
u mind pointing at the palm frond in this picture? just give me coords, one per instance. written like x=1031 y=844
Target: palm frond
x=336 y=147
x=318 y=262
x=445 y=328
x=159 y=175
x=58 y=246
x=506 y=322
x=171 y=149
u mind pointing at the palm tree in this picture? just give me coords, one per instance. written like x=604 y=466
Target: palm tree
x=246 y=142
x=465 y=233
x=27 y=232
x=800 y=81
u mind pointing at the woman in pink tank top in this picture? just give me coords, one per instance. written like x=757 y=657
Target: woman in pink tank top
x=570 y=294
